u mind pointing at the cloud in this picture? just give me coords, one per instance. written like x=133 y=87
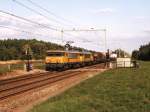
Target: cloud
x=147 y=32
x=140 y=17
x=104 y=11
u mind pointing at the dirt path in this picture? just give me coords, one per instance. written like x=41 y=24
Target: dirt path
x=16 y=73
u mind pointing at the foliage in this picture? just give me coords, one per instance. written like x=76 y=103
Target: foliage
x=121 y=53
x=118 y=90
x=143 y=53
x=135 y=54
x=15 y=49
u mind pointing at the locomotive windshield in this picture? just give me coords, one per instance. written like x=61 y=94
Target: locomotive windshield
x=55 y=54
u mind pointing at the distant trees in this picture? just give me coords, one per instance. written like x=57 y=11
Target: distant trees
x=12 y=49
x=121 y=53
x=143 y=53
x=135 y=54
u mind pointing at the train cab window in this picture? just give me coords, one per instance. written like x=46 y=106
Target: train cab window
x=87 y=56
x=81 y=54
x=55 y=54
x=72 y=55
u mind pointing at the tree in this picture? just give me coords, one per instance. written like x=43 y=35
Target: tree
x=135 y=54
x=143 y=53
x=27 y=52
x=121 y=53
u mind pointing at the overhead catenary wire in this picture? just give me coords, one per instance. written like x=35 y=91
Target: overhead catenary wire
x=37 y=12
x=88 y=30
x=17 y=21
x=28 y=20
x=33 y=22
x=35 y=34
x=16 y=29
x=49 y=12
x=83 y=39
x=38 y=23
x=31 y=33
x=23 y=31
x=21 y=23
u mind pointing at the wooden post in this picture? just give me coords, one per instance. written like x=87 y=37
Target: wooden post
x=25 y=67
x=9 y=67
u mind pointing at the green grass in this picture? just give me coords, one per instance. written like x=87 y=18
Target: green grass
x=118 y=90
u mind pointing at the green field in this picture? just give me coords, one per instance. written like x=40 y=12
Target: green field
x=118 y=90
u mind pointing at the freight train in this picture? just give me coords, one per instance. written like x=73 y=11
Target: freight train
x=61 y=60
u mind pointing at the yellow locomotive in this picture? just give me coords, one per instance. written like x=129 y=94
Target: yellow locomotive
x=61 y=60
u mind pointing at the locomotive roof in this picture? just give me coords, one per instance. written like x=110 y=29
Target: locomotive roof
x=68 y=51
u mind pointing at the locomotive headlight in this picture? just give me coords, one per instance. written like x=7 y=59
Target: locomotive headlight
x=58 y=60
x=47 y=60
x=61 y=60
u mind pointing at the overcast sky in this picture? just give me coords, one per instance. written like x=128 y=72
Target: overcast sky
x=127 y=22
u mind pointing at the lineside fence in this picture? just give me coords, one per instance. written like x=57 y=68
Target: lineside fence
x=124 y=64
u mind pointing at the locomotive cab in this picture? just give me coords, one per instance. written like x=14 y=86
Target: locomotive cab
x=55 y=59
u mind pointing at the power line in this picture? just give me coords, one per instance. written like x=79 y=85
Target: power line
x=14 y=19
x=51 y=13
x=89 y=30
x=33 y=22
x=50 y=19
x=23 y=31
x=19 y=22
x=13 y=28
x=30 y=21
x=83 y=39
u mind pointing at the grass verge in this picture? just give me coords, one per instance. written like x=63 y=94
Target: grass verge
x=118 y=90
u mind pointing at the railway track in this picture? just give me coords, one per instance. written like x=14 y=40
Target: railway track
x=23 y=77
x=18 y=85
x=21 y=84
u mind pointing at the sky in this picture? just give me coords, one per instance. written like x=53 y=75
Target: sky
x=127 y=22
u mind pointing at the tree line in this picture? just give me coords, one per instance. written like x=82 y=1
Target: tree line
x=143 y=53
x=15 y=49
x=121 y=53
